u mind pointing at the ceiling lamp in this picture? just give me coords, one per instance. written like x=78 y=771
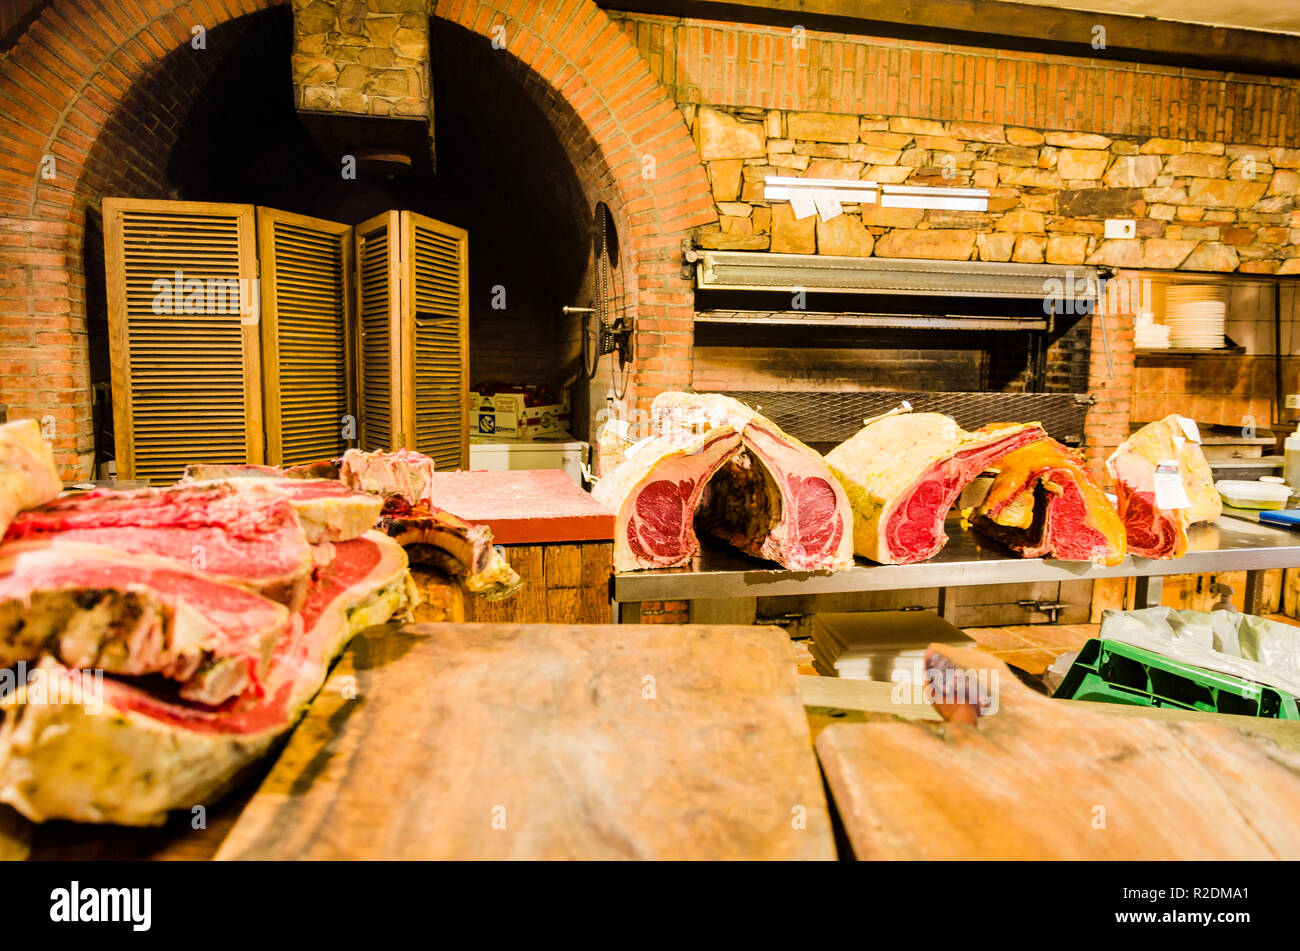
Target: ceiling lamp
x=826 y=196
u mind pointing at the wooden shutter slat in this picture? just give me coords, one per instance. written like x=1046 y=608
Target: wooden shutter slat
x=185 y=386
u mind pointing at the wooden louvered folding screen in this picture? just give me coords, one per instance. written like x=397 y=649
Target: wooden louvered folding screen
x=412 y=300
x=379 y=375
x=367 y=322
x=436 y=294
x=306 y=336
x=184 y=358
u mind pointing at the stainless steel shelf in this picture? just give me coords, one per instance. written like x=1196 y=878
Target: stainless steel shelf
x=1230 y=544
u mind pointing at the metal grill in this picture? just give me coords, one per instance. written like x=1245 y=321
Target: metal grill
x=832 y=417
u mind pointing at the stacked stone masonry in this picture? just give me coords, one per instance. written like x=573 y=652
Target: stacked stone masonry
x=1199 y=206
x=362 y=59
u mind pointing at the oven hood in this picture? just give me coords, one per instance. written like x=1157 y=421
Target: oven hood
x=938 y=291
x=764 y=270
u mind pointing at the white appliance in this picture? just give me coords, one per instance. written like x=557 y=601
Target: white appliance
x=503 y=455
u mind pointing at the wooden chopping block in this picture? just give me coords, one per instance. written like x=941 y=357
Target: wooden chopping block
x=476 y=741
x=1034 y=778
x=524 y=507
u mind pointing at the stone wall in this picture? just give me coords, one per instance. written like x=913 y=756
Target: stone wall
x=360 y=58
x=1199 y=206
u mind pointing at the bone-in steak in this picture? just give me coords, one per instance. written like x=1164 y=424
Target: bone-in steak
x=654 y=493
x=776 y=498
x=1044 y=503
x=902 y=473
x=133 y=615
x=247 y=534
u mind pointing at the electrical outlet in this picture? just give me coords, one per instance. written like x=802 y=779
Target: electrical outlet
x=1121 y=228
x=1293 y=401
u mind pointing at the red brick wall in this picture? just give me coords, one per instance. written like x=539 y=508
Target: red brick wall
x=712 y=63
x=62 y=92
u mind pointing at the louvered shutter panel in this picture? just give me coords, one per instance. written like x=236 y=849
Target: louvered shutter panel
x=437 y=303
x=186 y=386
x=306 y=335
x=378 y=250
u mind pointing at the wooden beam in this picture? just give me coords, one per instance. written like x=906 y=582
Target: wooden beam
x=1018 y=26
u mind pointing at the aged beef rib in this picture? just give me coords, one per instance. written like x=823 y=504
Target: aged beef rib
x=1155 y=530
x=454 y=546
x=405 y=472
x=144 y=754
x=247 y=534
x=776 y=498
x=902 y=473
x=328 y=510
x=27 y=473
x=654 y=493
x=1044 y=503
x=91 y=606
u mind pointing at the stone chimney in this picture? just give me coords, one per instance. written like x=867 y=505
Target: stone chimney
x=359 y=58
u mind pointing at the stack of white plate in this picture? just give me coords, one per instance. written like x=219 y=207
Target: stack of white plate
x=1149 y=335
x=1194 y=314
x=879 y=645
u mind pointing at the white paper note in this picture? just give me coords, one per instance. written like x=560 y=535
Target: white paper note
x=802 y=203
x=1170 y=492
x=1190 y=428
x=828 y=205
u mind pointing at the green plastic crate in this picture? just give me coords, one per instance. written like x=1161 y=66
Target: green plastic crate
x=1114 y=672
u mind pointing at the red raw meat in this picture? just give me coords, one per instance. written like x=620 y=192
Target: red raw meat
x=776 y=498
x=127 y=614
x=246 y=534
x=145 y=753
x=654 y=493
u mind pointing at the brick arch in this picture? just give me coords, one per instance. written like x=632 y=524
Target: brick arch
x=68 y=73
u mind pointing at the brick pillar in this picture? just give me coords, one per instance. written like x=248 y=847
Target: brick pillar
x=1111 y=384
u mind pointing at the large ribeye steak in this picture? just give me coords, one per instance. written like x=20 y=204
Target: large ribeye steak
x=1044 y=503
x=775 y=498
x=654 y=493
x=133 y=615
x=128 y=755
x=1155 y=530
x=244 y=532
x=903 y=471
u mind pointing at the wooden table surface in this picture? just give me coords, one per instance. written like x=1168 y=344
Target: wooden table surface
x=1049 y=779
x=468 y=741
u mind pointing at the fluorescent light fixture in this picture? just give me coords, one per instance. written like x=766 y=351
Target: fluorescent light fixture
x=809 y=196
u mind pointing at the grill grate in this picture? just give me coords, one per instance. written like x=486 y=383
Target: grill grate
x=832 y=417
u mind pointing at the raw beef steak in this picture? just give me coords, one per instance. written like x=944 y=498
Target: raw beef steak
x=654 y=493
x=1044 y=503
x=776 y=498
x=144 y=754
x=1153 y=531
x=247 y=534
x=91 y=606
x=903 y=471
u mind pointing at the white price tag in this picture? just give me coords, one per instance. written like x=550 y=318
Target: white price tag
x=636 y=447
x=1190 y=428
x=1170 y=492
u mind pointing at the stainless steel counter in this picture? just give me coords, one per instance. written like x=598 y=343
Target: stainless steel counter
x=1230 y=544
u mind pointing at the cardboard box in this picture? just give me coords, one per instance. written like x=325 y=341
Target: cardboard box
x=496 y=415
x=507 y=414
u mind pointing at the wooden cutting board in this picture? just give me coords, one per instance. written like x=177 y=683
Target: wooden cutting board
x=472 y=741
x=1045 y=779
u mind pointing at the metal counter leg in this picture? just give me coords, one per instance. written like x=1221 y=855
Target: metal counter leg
x=1147 y=592
x=1255 y=592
